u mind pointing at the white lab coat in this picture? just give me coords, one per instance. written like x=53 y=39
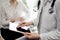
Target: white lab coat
x=49 y=26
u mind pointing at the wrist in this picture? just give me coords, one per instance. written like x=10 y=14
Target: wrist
x=31 y=23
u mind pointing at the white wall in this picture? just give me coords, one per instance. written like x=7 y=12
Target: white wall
x=2 y=1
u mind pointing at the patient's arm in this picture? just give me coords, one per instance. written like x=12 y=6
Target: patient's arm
x=17 y=19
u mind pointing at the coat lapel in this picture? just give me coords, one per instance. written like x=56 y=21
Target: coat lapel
x=40 y=14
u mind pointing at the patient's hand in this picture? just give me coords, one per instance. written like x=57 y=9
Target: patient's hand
x=17 y=19
x=25 y=24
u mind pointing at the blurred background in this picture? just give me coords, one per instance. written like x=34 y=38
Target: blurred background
x=1 y=2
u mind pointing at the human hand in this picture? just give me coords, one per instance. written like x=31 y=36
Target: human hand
x=32 y=36
x=24 y=24
x=17 y=19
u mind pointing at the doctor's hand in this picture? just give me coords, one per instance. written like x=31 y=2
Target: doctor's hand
x=32 y=36
x=17 y=19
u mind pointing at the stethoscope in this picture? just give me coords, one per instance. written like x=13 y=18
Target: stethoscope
x=51 y=10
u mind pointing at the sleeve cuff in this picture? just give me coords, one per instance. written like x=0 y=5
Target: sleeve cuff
x=43 y=36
